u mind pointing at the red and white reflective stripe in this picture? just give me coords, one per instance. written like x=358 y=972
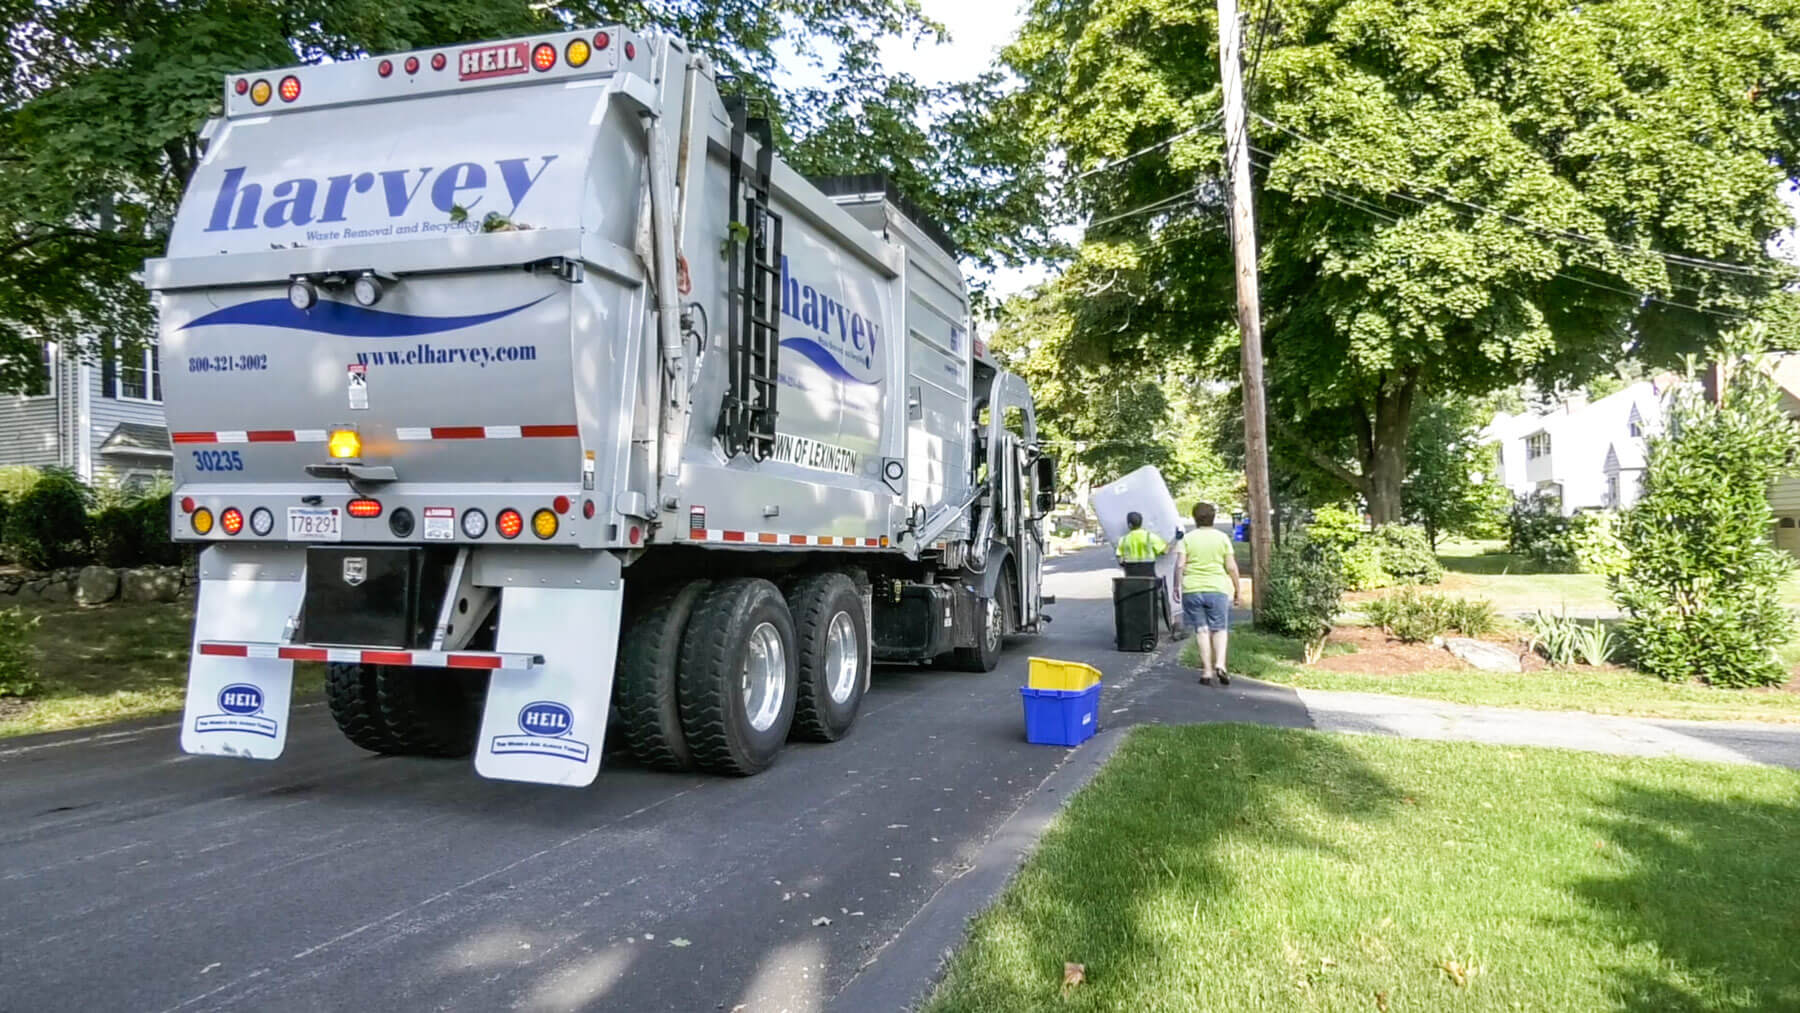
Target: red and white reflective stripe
x=251 y=436
x=365 y=656
x=417 y=433
x=775 y=538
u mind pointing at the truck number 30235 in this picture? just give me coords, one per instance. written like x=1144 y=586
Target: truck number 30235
x=218 y=460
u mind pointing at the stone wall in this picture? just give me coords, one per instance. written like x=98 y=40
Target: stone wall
x=95 y=585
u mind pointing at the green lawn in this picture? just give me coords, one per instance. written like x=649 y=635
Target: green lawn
x=1230 y=867
x=1513 y=584
x=112 y=663
x=1599 y=691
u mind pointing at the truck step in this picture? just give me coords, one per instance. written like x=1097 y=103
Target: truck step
x=371 y=656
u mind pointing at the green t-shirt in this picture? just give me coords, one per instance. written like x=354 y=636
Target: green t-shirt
x=1140 y=546
x=1206 y=549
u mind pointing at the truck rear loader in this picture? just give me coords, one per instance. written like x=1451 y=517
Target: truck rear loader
x=523 y=386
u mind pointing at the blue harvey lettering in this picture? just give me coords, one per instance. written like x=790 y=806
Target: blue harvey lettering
x=856 y=335
x=298 y=201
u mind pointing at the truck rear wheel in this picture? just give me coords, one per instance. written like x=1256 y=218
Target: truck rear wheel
x=833 y=639
x=401 y=711
x=995 y=611
x=738 y=677
x=351 y=694
x=648 y=693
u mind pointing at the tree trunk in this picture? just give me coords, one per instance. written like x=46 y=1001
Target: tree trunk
x=1384 y=451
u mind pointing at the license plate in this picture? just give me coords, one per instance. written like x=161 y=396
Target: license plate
x=315 y=524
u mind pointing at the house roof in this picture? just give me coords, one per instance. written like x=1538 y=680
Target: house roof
x=137 y=438
x=1624 y=455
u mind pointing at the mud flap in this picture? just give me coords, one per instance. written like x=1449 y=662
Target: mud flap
x=548 y=724
x=238 y=706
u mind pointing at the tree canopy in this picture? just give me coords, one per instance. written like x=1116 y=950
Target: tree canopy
x=1452 y=197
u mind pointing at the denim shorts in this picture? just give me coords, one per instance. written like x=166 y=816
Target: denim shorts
x=1210 y=610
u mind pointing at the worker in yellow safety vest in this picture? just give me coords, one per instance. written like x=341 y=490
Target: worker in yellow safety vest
x=1139 y=548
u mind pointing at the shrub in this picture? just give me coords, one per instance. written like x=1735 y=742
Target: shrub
x=1306 y=589
x=1362 y=567
x=151 y=517
x=1564 y=641
x=1537 y=529
x=18 y=676
x=1412 y=616
x=1472 y=617
x=1701 y=584
x=1406 y=555
x=1338 y=528
x=1591 y=541
x=17 y=479
x=48 y=525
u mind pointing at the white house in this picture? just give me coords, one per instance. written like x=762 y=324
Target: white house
x=103 y=421
x=1588 y=455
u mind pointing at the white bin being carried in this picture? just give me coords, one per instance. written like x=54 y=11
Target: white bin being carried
x=1144 y=492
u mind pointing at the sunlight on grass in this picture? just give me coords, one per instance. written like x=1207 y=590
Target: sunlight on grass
x=1226 y=867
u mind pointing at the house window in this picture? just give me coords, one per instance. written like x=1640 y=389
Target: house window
x=1612 y=490
x=1635 y=424
x=140 y=376
x=1537 y=445
x=47 y=356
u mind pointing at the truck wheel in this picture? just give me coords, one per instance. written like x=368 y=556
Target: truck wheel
x=985 y=655
x=738 y=677
x=431 y=711
x=350 y=692
x=648 y=696
x=833 y=640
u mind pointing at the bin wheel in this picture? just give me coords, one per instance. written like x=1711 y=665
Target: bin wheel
x=738 y=677
x=832 y=635
x=648 y=692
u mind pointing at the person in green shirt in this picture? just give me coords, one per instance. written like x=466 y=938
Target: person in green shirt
x=1209 y=589
x=1139 y=548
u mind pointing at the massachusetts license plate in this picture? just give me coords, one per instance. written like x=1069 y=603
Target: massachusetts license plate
x=315 y=524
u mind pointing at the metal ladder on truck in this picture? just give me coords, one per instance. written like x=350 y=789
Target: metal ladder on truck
x=747 y=421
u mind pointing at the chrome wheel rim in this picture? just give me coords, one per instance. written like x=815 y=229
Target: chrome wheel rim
x=994 y=631
x=842 y=658
x=764 y=679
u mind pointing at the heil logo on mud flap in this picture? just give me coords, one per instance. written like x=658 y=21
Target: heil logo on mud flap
x=545 y=729
x=546 y=718
x=240 y=710
x=240 y=698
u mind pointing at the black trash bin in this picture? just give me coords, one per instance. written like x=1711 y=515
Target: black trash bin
x=1137 y=612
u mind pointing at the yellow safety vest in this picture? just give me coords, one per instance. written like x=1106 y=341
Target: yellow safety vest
x=1140 y=546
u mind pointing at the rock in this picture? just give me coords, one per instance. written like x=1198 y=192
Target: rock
x=150 y=584
x=58 y=592
x=37 y=587
x=97 y=584
x=1483 y=655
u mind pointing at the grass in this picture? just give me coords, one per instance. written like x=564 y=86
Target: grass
x=113 y=663
x=1514 y=584
x=1599 y=691
x=1228 y=867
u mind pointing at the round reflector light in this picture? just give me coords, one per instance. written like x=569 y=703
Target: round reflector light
x=510 y=523
x=262 y=521
x=232 y=520
x=290 y=88
x=437 y=61
x=587 y=509
x=202 y=520
x=560 y=504
x=543 y=524
x=602 y=40
x=259 y=92
x=630 y=51
x=384 y=68
x=544 y=56
x=401 y=522
x=241 y=87
x=577 y=52
x=636 y=535
x=365 y=508
x=474 y=523
x=187 y=504
x=412 y=65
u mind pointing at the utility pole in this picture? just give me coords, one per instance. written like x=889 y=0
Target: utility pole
x=1249 y=302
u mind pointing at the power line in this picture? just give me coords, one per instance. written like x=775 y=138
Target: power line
x=1165 y=142
x=1676 y=259
x=1151 y=207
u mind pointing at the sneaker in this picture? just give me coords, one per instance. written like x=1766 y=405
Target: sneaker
x=1224 y=676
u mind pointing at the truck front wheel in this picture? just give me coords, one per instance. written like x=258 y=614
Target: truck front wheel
x=738 y=677
x=833 y=651
x=995 y=613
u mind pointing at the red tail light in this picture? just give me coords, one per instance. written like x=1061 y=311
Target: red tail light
x=290 y=88
x=365 y=508
x=560 y=504
x=232 y=520
x=544 y=56
x=602 y=40
x=437 y=61
x=509 y=523
x=384 y=68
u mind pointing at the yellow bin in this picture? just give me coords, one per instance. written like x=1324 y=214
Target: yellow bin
x=1068 y=676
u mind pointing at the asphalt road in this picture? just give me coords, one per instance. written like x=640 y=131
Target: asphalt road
x=133 y=877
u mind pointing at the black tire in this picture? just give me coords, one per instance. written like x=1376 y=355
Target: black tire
x=996 y=615
x=431 y=711
x=714 y=655
x=817 y=603
x=355 y=706
x=648 y=692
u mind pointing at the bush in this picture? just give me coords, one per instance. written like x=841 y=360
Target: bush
x=17 y=479
x=1337 y=528
x=1412 y=616
x=18 y=676
x=1472 y=617
x=1362 y=567
x=1406 y=555
x=1591 y=540
x=1306 y=589
x=1564 y=641
x=1537 y=529
x=48 y=526
x=151 y=515
x=1701 y=583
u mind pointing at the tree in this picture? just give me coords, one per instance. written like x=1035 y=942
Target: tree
x=1452 y=484
x=100 y=105
x=1454 y=196
x=1701 y=582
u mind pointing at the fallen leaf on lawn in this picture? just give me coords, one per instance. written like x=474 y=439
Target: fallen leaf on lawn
x=1381 y=1001
x=1458 y=974
x=821 y=920
x=1073 y=974
x=678 y=941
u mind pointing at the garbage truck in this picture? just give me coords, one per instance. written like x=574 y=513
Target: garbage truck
x=523 y=386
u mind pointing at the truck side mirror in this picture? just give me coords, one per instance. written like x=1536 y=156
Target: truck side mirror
x=1046 y=484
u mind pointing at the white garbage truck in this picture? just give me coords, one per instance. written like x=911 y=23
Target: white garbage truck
x=521 y=385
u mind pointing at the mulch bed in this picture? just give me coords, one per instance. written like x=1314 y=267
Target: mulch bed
x=1376 y=653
